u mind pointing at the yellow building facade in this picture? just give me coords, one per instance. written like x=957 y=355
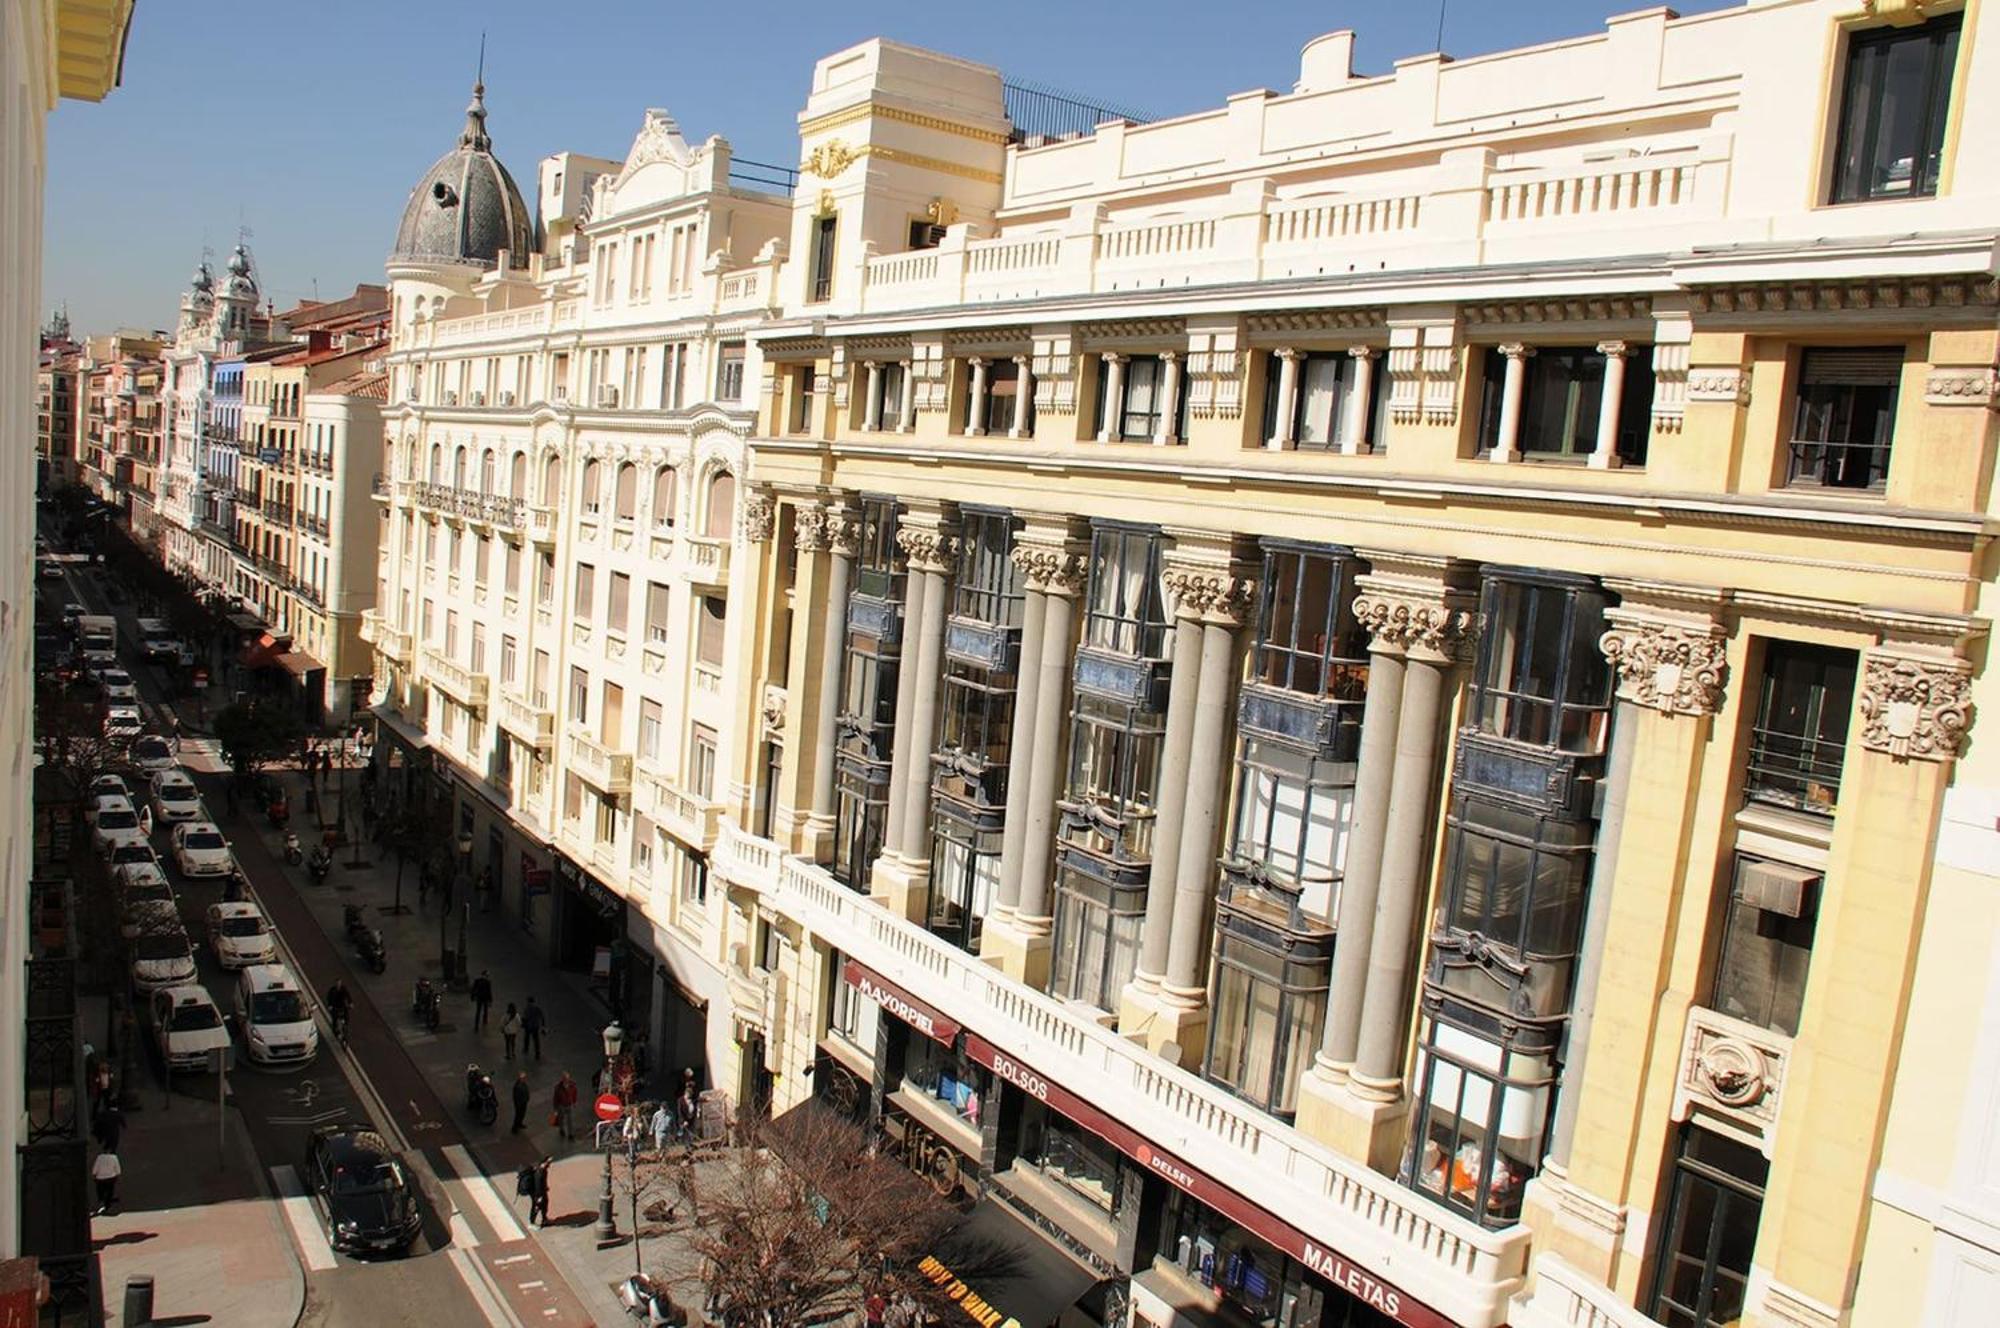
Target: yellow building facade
x=1360 y=706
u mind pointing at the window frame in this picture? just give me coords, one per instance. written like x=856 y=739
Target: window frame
x=1578 y=704
x=1728 y=1190
x=1944 y=35
x=1826 y=724
x=1112 y=621
x=1814 y=457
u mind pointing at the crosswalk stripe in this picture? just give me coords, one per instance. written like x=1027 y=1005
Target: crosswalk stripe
x=462 y=1234
x=496 y=1211
x=304 y=1222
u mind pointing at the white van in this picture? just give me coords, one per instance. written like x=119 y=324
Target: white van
x=275 y=1016
x=157 y=641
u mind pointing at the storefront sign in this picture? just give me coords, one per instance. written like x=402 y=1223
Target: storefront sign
x=900 y=1003
x=1378 y=1295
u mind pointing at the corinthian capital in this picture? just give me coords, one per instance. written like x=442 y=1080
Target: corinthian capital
x=842 y=529
x=809 y=528
x=1915 y=706
x=929 y=548
x=1224 y=594
x=1432 y=618
x=1051 y=569
x=759 y=514
x=1673 y=665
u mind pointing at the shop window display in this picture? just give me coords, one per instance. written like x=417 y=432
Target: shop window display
x=947 y=1077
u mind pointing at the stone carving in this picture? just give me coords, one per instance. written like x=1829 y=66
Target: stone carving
x=1963 y=387
x=1439 y=626
x=843 y=531
x=659 y=139
x=1674 y=668
x=928 y=548
x=1914 y=706
x=829 y=160
x=774 y=709
x=759 y=514
x=1050 y=568
x=1726 y=384
x=809 y=528
x=1213 y=594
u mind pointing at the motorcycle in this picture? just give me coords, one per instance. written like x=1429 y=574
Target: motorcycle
x=320 y=865
x=278 y=810
x=480 y=1099
x=425 y=1003
x=648 y=1302
x=354 y=920
x=371 y=948
x=294 y=855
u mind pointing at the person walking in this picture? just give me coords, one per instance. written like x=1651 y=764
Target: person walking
x=522 y=1096
x=663 y=1125
x=510 y=1028
x=538 y=1201
x=532 y=1023
x=108 y=1125
x=564 y=1098
x=106 y=1171
x=482 y=998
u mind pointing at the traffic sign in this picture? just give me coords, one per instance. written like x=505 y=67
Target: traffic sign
x=610 y=1106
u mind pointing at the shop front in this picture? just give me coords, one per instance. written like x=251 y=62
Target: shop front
x=590 y=933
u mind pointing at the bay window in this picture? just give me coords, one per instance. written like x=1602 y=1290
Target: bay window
x=1511 y=913
x=1269 y=1000
x=1543 y=681
x=866 y=724
x=1125 y=610
x=965 y=873
x=1483 y=1098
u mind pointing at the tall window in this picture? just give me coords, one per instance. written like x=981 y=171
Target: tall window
x=1135 y=416
x=879 y=566
x=1269 y=1006
x=1482 y=1120
x=729 y=372
x=889 y=396
x=989 y=587
x=625 y=492
x=592 y=497
x=1562 y=390
x=1767 y=938
x=709 y=634
x=1322 y=400
x=1799 y=742
x=965 y=871
x=664 y=494
x=721 y=509
x=1510 y=917
x=1126 y=611
x=618 y=604
x=579 y=695
x=1895 y=97
x=1107 y=830
x=650 y=729
x=701 y=761
x=867 y=723
x=510 y=660
x=612 y=721
x=1004 y=401
x=1845 y=419
x=659 y=601
x=1542 y=679
x=1714 y=1206
x=586 y=591
x=824 y=231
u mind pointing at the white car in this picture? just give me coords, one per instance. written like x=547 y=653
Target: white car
x=116 y=823
x=120 y=688
x=175 y=798
x=104 y=786
x=142 y=888
x=134 y=855
x=200 y=849
x=240 y=936
x=189 y=1027
x=275 y=1016
x=122 y=724
x=162 y=955
x=151 y=754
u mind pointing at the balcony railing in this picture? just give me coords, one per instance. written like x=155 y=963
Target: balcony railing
x=707 y=559
x=532 y=724
x=691 y=817
x=597 y=764
x=461 y=684
x=489 y=508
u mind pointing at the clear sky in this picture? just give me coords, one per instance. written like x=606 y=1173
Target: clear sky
x=309 y=122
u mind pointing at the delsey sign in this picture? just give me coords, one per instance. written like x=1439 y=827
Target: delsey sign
x=900 y=1003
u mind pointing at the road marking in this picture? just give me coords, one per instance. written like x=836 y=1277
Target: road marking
x=484 y=1293
x=303 y=1220
x=511 y=1258
x=497 y=1212
x=462 y=1234
x=535 y=1285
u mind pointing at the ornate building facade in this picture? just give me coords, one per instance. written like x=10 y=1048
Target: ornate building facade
x=1360 y=706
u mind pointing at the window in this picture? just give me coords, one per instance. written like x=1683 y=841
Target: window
x=510 y=562
x=989 y=588
x=1845 y=419
x=545 y=580
x=1767 y=937
x=803 y=384
x=854 y=1016
x=1322 y=400
x=579 y=696
x=612 y=720
x=618 y=614
x=606 y=827
x=1135 y=416
x=710 y=635
x=1291 y=817
x=694 y=881
x=1126 y=611
x=1069 y=1155
x=642 y=845
x=650 y=729
x=1114 y=775
x=965 y=872
x=429 y=619
x=592 y=497
x=1266 y=1288
x=659 y=601
x=770 y=946
x=721 y=511
x=1307 y=638
x=823 y=234
x=510 y=660
x=925 y=234
x=1799 y=742
x=729 y=371
x=1482 y=1111
x=867 y=715
x=1003 y=399
x=478 y=657
x=889 y=396
x=1562 y=391
x=1895 y=96
x=625 y=492
x=539 y=690
x=946 y=1076
x=482 y=561
x=1714 y=1206
x=701 y=762
x=879 y=565
x=1542 y=678
x=663 y=498
x=586 y=591
x=1269 y=1007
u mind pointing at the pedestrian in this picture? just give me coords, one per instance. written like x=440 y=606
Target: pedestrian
x=538 y=1202
x=687 y=1108
x=663 y=1124
x=108 y=1126
x=426 y=877
x=875 y=1310
x=522 y=1096
x=564 y=1099
x=482 y=998
x=532 y=1023
x=510 y=1028
x=106 y=1171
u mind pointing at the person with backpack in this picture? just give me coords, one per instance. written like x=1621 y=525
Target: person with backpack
x=532 y=1023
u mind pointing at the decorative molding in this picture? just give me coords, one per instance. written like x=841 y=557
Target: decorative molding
x=1915 y=706
x=1674 y=667
x=929 y=548
x=1733 y=1074
x=1670 y=385
x=843 y=530
x=757 y=518
x=809 y=528
x=1794 y=1309
x=1316 y=320
x=775 y=704
x=1582 y=309
x=1725 y=383
x=829 y=160
x=1052 y=569
x=1222 y=594
x=1837 y=297
x=1440 y=370
x=849 y=114
x=1963 y=387
x=659 y=139
x=1410 y=615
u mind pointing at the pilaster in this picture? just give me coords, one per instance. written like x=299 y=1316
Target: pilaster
x=805 y=697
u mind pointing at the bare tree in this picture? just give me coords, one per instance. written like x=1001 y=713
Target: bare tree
x=69 y=734
x=804 y=1222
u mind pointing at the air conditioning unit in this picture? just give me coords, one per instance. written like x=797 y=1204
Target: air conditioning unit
x=607 y=395
x=451 y=398
x=478 y=398
x=506 y=398
x=1776 y=887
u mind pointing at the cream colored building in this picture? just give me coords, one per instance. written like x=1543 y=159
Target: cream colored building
x=1360 y=704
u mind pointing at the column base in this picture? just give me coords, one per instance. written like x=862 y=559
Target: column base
x=901 y=886
x=815 y=839
x=1021 y=947
x=1164 y=1022
x=1585 y=1230
x=1367 y=1130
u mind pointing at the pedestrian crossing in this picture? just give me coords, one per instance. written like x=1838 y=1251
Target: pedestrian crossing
x=484 y=1196
x=303 y=1219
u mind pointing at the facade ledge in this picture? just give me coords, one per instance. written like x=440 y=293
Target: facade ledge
x=461 y=684
x=598 y=764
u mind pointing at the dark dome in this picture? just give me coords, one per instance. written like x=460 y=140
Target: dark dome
x=466 y=208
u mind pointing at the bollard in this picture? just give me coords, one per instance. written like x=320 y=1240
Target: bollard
x=138 y=1300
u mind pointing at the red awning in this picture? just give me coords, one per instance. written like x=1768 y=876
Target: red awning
x=263 y=652
x=298 y=663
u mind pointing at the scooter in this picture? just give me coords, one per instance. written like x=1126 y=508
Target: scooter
x=370 y=947
x=278 y=810
x=648 y=1302
x=425 y=1003
x=294 y=855
x=355 y=921
x=320 y=864
x=480 y=1099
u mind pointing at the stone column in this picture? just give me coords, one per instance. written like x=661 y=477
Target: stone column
x=1027 y=695
x=1186 y=679
x=906 y=695
x=1113 y=406
x=839 y=532
x=1605 y=455
x=975 y=409
x=1356 y=442
x=909 y=417
x=1167 y=431
x=1507 y=447
x=1285 y=429
x=1024 y=395
x=871 y=404
x=902 y=874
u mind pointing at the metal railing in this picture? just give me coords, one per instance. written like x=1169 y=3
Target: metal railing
x=1794 y=770
x=763 y=174
x=1050 y=114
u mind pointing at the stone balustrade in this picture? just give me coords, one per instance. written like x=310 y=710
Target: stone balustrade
x=460 y=683
x=598 y=764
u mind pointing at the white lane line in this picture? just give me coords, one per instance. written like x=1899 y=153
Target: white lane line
x=484 y=1294
x=511 y=1258
x=303 y=1220
x=462 y=1234
x=499 y=1215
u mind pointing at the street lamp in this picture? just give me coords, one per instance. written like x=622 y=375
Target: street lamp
x=607 y=1221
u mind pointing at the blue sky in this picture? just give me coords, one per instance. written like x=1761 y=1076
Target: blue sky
x=309 y=122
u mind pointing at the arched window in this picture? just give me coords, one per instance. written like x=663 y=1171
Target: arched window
x=721 y=505
x=593 y=481
x=517 y=476
x=486 y=471
x=665 y=493
x=437 y=463
x=410 y=459
x=552 y=480
x=625 y=494
x=458 y=467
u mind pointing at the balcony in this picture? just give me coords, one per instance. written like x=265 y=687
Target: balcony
x=461 y=684
x=707 y=559
x=597 y=764
x=541 y=524
x=1733 y=1074
x=1360 y=1225
x=691 y=818
x=531 y=723
x=484 y=508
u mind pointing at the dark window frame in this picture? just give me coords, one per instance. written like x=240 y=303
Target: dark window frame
x=1858 y=169
x=1584 y=368
x=1727 y=1192
x=1844 y=417
x=1112 y=619
x=1798 y=749
x=1508 y=700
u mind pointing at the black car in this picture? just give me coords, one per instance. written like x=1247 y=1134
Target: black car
x=361 y=1187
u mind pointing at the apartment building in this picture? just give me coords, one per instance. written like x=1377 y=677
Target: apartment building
x=56 y=405
x=1358 y=705
x=120 y=420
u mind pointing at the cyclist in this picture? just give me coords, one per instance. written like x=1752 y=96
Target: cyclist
x=338 y=1005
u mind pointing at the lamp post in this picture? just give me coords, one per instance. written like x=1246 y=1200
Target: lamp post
x=607 y=1221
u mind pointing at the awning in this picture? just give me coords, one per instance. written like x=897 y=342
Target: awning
x=298 y=663
x=263 y=652
x=996 y=1268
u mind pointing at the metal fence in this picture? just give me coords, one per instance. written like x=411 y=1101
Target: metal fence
x=1042 y=114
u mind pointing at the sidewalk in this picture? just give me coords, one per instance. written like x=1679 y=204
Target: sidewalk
x=195 y=1213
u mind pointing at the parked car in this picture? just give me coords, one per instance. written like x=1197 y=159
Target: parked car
x=239 y=935
x=122 y=723
x=200 y=849
x=114 y=824
x=189 y=1027
x=175 y=798
x=134 y=855
x=105 y=786
x=275 y=1016
x=151 y=754
x=358 y=1184
x=162 y=954
x=141 y=888
x=120 y=688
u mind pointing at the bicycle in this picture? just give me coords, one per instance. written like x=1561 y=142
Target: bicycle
x=337 y=1020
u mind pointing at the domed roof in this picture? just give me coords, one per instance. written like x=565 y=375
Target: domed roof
x=203 y=279
x=466 y=208
x=239 y=261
